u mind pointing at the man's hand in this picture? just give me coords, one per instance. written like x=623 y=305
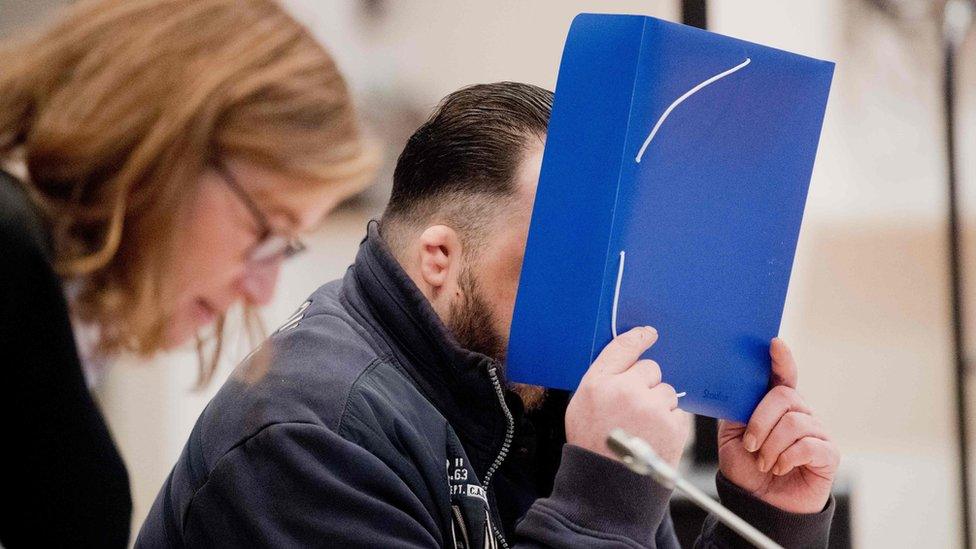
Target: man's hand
x=619 y=390
x=783 y=456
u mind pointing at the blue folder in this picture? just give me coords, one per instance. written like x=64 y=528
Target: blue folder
x=673 y=184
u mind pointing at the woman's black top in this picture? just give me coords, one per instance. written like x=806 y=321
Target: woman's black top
x=62 y=481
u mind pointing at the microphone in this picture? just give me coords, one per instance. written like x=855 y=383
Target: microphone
x=640 y=458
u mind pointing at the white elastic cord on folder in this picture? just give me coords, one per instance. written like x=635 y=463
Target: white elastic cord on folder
x=678 y=101
x=616 y=294
x=616 y=302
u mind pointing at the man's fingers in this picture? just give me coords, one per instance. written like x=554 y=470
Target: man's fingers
x=624 y=351
x=820 y=455
x=777 y=402
x=664 y=394
x=644 y=373
x=784 y=366
x=793 y=426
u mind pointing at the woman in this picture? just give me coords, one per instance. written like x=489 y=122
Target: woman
x=161 y=158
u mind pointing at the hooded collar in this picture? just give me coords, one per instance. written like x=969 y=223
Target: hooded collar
x=453 y=378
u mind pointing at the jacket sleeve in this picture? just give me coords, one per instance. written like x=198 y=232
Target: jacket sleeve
x=787 y=529
x=597 y=502
x=302 y=485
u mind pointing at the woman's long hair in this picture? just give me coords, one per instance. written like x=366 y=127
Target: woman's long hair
x=118 y=108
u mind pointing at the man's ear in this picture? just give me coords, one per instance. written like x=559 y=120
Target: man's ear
x=440 y=260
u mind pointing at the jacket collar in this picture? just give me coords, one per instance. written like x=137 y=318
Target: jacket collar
x=453 y=378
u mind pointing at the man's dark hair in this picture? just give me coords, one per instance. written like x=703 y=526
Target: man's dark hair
x=459 y=166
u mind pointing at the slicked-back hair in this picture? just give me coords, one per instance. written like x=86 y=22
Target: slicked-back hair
x=460 y=165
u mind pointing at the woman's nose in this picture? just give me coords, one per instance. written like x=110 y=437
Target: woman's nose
x=259 y=281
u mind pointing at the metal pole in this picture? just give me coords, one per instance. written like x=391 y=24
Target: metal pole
x=956 y=19
x=704 y=450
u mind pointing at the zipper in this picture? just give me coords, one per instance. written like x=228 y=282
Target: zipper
x=506 y=443
x=490 y=541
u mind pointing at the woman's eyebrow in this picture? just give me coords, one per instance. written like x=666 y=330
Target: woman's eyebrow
x=281 y=216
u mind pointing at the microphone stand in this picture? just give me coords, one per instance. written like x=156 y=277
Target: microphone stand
x=640 y=458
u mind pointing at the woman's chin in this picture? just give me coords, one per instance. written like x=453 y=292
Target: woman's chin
x=184 y=330
x=177 y=336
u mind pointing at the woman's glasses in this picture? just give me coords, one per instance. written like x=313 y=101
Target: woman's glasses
x=271 y=246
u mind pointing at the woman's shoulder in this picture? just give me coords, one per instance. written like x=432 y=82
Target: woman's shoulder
x=21 y=228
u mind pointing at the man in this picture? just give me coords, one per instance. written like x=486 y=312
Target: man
x=379 y=415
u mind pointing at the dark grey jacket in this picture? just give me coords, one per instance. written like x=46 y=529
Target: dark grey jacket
x=371 y=427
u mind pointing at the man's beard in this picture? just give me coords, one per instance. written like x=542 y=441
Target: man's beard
x=473 y=325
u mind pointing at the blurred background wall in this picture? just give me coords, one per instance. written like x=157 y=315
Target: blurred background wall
x=868 y=307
